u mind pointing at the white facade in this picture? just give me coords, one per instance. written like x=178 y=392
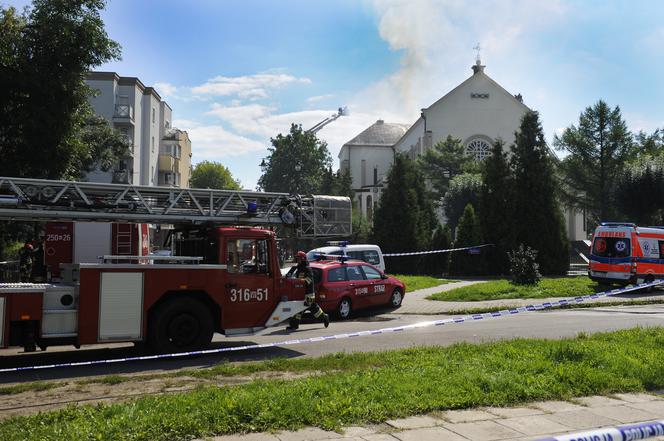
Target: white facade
x=477 y=112
x=369 y=157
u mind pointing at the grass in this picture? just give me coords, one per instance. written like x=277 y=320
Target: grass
x=36 y=386
x=372 y=387
x=504 y=289
x=420 y=282
x=482 y=310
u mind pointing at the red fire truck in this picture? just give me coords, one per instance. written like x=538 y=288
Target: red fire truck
x=224 y=279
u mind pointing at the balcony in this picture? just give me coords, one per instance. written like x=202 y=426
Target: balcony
x=167 y=163
x=124 y=113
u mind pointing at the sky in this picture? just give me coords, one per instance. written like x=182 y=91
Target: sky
x=238 y=72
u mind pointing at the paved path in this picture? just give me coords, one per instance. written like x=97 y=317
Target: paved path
x=533 y=421
x=416 y=302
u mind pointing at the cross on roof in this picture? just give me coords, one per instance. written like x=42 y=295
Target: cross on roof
x=477 y=48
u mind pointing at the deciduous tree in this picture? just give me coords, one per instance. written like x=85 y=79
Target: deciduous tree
x=209 y=174
x=464 y=189
x=296 y=163
x=468 y=233
x=45 y=54
x=443 y=162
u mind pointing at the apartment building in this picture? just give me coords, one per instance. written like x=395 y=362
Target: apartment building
x=145 y=119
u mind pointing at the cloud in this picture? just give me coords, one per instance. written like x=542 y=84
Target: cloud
x=166 y=90
x=248 y=86
x=436 y=37
x=213 y=142
x=318 y=98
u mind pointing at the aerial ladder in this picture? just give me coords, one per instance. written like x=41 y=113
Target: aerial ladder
x=52 y=200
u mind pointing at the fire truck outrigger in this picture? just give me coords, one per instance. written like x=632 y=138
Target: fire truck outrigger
x=227 y=279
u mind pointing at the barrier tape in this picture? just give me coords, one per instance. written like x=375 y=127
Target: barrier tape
x=619 y=433
x=449 y=250
x=455 y=320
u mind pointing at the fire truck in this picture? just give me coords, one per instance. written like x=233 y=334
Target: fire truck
x=225 y=276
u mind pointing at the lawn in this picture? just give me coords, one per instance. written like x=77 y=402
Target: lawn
x=363 y=388
x=420 y=282
x=504 y=289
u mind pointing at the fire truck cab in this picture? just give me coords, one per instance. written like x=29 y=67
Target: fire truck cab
x=624 y=253
x=232 y=286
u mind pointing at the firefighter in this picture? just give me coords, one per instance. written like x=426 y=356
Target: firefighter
x=303 y=271
x=25 y=261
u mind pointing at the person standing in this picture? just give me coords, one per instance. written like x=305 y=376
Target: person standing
x=25 y=261
x=304 y=272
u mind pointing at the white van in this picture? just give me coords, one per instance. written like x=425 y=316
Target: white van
x=365 y=252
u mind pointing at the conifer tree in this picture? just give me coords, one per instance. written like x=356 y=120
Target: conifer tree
x=537 y=218
x=468 y=233
x=439 y=263
x=495 y=211
x=404 y=218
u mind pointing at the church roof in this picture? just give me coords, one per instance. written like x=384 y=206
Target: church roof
x=380 y=133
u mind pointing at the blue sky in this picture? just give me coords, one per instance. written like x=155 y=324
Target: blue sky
x=237 y=72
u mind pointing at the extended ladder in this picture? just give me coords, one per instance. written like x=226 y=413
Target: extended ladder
x=40 y=199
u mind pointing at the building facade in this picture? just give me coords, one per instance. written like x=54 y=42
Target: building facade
x=141 y=115
x=478 y=112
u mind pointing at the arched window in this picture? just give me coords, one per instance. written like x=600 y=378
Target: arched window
x=369 y=209
x=479 y=149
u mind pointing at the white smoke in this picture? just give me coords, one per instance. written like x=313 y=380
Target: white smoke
x=436 y=40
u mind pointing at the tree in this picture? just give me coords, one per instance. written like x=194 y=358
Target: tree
x=404 y=218
x=336 y=184
x=438 y=264
x=443 y=162
x=469 y=233
x=652 y=145
x=538 y=221
x=463 y=190
x=599 y=147
x=45 y=55
x=640 y=190
x=209 y=174
x=296 y=163
x=495 y=211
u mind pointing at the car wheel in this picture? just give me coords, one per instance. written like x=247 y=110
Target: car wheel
x=344 y=309
x=649 y=278
x=396 y=298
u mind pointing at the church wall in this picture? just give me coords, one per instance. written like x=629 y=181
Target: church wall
x=367 y=157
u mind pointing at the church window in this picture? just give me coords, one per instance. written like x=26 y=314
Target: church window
x=479 y=149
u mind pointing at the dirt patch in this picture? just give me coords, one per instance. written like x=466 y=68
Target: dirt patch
x=64 y=394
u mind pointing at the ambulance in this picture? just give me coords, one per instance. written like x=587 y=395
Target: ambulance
x=624 y=253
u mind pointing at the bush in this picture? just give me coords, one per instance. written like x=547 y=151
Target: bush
x=524 y=267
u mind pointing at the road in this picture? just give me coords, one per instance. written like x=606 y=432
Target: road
x=548 y=324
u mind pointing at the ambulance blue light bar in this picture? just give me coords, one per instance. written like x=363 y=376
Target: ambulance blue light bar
x=337 y=243
x=617 y=224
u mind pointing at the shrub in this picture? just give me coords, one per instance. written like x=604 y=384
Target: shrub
x=524 y=267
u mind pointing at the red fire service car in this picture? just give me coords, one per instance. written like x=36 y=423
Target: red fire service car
x=346 y=286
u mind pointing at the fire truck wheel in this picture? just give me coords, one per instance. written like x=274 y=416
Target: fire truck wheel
x=180 y=325
x=344 y=309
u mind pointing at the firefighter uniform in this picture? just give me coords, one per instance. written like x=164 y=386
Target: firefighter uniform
x=304 y=272
x=26 y=256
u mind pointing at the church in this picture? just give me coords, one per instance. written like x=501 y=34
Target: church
x=477 y=111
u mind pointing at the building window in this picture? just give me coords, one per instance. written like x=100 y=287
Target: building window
x=153 y=144
x=375 y=176
x=363 y=172
x=152 y=175
x=153 y=115
x=168 y=124
x=479 y=149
